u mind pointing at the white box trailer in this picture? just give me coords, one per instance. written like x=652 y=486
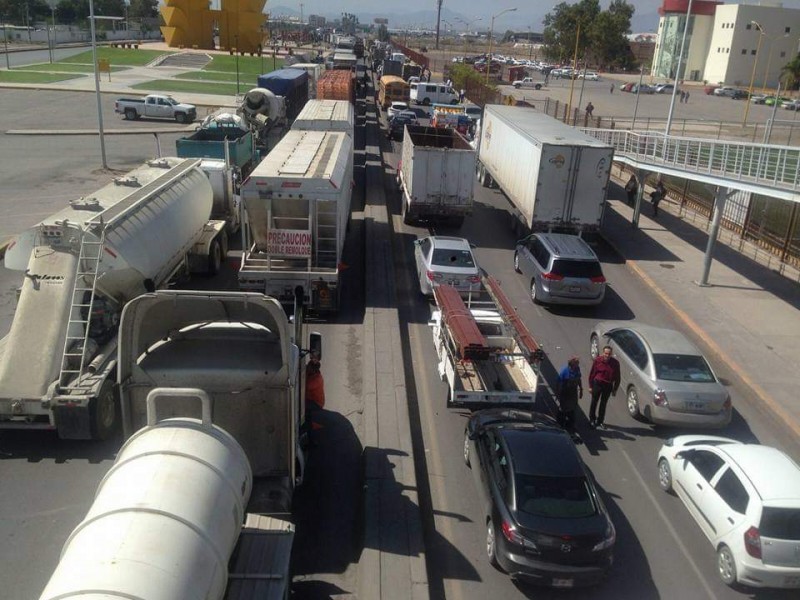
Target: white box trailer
x=297 y=206
x=326 y=115
x=314 y=70
x=555 y=176
x=436 y=175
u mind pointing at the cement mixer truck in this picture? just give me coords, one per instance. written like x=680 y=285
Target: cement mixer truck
x=224 y=425
x=81 y=265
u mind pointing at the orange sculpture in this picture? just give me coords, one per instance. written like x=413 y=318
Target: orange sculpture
x=190 y=24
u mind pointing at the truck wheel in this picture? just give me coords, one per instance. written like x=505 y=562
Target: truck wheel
x=103 y=412
x=130 y=114
x=426 y=102
x=223 y=244
x=214 y=258
x=180 y=117
x=516 y=263
x=517 y=86
x=534 y=298
x=538 y=86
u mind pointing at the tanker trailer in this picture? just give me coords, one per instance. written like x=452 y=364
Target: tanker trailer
x=167 y=516
x=81 y=265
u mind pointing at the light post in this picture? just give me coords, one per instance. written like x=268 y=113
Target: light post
x=97 y=85
x=491 y=33
x=236 y=59
x=467 y=30
x=574 y=69
x=753 y=75
x=5 y=41
x=53 y=14
x=530 y=44
x=677 y=70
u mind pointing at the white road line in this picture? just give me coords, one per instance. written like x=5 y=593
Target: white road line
x=670 y=528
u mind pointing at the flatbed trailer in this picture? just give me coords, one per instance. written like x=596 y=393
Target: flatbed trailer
x=485 y=352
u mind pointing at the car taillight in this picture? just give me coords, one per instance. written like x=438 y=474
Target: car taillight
x=552 y=277
x=727 y=404
x=474 y=279
x=598 y=279
x=660 y=398
x=752 y=542
x=512 y=535
x=433 y=276
x=609 y=538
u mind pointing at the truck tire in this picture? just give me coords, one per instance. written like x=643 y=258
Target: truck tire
x=426 y=102
x=538 y=86
x=181 y=117
x=214 y=257
x=103 y=412
x=517 y=86
x=130 y=114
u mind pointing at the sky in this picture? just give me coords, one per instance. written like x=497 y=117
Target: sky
x=528 y=13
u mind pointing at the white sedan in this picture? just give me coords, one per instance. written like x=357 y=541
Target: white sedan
x=445 y=260
x=746 y=499
x=395 y=108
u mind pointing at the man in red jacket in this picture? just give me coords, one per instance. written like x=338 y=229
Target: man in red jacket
x=603 y=381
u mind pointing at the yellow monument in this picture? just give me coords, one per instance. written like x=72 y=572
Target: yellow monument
x=190 y=23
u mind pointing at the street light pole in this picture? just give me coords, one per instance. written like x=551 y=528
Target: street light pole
x=491 y=34
x=574 y=68
x=753 y=74
x=5 y=41
x=97 y=86
x=677 y=70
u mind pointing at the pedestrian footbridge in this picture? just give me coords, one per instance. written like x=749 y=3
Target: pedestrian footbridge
x=769 y=170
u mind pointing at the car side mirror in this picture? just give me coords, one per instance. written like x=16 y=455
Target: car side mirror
x=417 y=242
x=684 y=454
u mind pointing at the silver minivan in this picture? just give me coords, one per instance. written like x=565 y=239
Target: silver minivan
x=561 y=269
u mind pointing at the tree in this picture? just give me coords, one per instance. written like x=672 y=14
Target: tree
x=790 y=73
x=143 y=9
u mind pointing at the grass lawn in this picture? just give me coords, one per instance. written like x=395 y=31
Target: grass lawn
x=68 y=68
x=117 y=56
x=248 y=65
x=19 y=76
x=247 y=79
x=193 y=87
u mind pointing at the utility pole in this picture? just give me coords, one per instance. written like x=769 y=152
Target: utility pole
x=438 y=19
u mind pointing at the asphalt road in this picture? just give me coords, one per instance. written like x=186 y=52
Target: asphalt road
x=660 y=552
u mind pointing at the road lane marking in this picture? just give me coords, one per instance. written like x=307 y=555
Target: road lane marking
x=670 y=528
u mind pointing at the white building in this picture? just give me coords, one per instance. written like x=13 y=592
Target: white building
x=725 y=41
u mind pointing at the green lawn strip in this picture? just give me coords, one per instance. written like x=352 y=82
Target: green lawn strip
x=190 y=87
x=117 y=56
x=218 y=76
x=67 y=68
x=248 y=65
x=22 y=76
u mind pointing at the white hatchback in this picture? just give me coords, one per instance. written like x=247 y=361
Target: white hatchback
x=746 y=499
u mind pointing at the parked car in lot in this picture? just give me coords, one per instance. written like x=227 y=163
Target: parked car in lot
x=444 y=259
x=561 y=268
x=627 y=87
x=746 y=500
x=758 y=98
x=770 y=100
x=739 y=95
x=527 y=82
x=396 y=108
x=665 y=88
x=397 y=124
x=665 y=378
x=589 y=76
x=545 y=521
x=791 y=104
x=725 y=90
x=643 y=89
x=155 y=106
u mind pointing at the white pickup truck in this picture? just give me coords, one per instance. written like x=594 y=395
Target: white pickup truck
x=155 y=106
x=527 y=82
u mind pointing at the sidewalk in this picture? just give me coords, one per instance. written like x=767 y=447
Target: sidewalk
x=749 y=316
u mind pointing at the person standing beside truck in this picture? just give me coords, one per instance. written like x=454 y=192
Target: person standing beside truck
x=656 y=196
x=631 y=188
x=569 y=390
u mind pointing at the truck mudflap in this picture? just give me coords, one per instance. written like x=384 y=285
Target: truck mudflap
x=73 y=421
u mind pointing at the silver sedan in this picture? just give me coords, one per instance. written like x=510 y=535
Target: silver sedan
x=443 y=259
x=664 y=376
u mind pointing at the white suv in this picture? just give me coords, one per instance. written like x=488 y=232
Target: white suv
x=746 y=499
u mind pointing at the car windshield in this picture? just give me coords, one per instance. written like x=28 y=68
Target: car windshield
x=445 y=257
x=682 y=367
x=555 y=497
x=780 y=523
x=577 y=268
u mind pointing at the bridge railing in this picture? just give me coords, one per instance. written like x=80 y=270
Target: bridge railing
x=778 y=166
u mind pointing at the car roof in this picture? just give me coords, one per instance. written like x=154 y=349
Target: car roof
x=659 y=339
x=399 y=103
x=568 y=246
x=452 y=243
x=774 y=475
x=542 y=452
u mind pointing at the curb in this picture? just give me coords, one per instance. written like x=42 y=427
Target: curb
x=763 y=397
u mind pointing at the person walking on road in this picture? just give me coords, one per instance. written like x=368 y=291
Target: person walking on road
x=686 y=99
x=589 y=109
x=656 y=196
x=569 y=390
x=683 y=96
x=631 y=188
x=612 y=88
x=604 y=379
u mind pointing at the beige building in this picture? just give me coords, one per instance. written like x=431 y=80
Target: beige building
x=726 y=41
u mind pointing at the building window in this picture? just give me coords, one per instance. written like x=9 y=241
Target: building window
x=783 y=54
x=753 y=52
x=749 y=26
x=787 y=30
x=727 y=51
x=744 y=50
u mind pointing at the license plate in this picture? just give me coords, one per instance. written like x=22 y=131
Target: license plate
x=454 y=282
x=574 y=289
x=792 y=580
x=562 y=583
x=695 y=406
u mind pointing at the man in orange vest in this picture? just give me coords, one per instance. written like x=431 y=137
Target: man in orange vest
x=315 y=385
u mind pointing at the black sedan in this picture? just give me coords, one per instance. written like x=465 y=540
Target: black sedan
x=545 y=522
x=397 y=124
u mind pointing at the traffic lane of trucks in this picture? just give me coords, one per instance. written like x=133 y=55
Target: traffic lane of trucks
x=565 y=332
